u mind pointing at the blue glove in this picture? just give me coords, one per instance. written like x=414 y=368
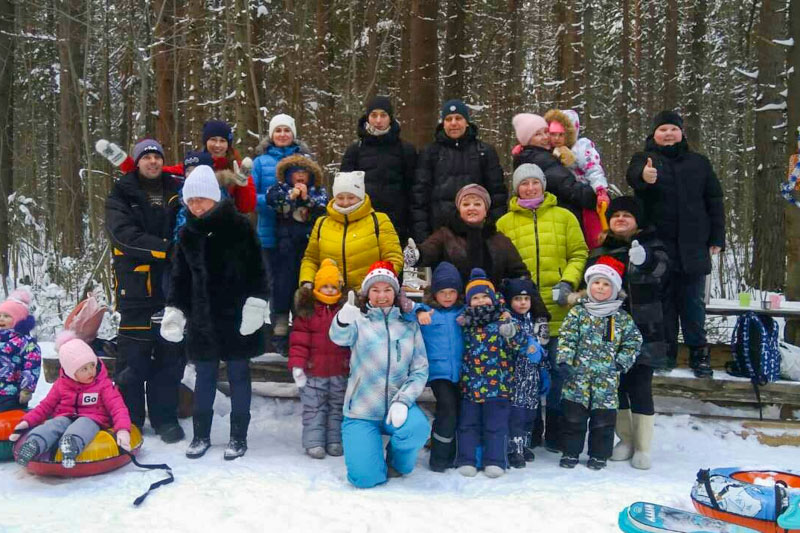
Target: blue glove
x=534 y=351
x=544 y=381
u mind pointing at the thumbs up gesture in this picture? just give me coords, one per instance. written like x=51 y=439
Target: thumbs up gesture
x=637 y=254
x=410 y=253
x=650 y=173
x=349 y=311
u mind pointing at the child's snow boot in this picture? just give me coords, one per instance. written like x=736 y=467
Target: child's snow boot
x=595 y=463
x=516 y=454
x=201 y=441
x=335 y=449
x=237 y=446
x=317 y=452
x=69 y=450
x=467 y=471
x=623 y=450
x=700 y=361
x=642 y=441
x=27 y=452
x=493 y=471
x=527 y=450
x=568 y=461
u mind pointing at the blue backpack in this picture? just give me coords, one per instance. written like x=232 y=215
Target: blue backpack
x=755 y=351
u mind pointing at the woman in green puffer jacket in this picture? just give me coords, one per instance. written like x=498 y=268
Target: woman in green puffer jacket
x=551 y=243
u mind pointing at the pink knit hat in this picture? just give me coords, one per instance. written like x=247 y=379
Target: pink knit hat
x=17 y=305
x=525 y=125
x=73 y=353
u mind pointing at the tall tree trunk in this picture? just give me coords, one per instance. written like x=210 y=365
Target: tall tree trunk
x=670 y=98
x=194 y=70
x=423 y=101
x=769 y=247
x=455 y=85
x=588 y=39
x=247 y=101
x=70 y=198
x=566 y=40
x=323 y=74
x=792 y=331
x=625 y=83
x=694 y=106
x=404 y=66
x=164 y=61
x=7 y=62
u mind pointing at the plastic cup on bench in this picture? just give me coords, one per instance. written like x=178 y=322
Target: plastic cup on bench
x=744 y=299
x=775 y=301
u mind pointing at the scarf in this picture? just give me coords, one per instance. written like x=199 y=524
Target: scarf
x=372 y=130
x=477 y=251
x=481 y=316
x=347 y=210
x=530 y=203
x=602 y=309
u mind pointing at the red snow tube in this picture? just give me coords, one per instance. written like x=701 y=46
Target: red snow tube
x=750 y=498
x=8 y=421
x=100 y=456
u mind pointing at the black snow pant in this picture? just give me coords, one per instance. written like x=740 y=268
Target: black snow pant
x=443 y=434
x=636 y=390
x=601 y=429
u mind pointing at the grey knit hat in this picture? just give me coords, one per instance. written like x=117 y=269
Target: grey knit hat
x=147 y=146
x=528 y=171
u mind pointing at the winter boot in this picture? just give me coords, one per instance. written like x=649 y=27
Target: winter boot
x=671 y=360
x=700 y=361
x=237 y=446
x=595 y=463
x=27 y=452
x=280 y=334
x=624 y=448
x=170 y=432
x=201 y=441
x=316 y=452
x=642 y=441
x=516 y=452
x=69 y=450
x=493 y=471
x=335 y=449
x=467 y=471
x=568 y=461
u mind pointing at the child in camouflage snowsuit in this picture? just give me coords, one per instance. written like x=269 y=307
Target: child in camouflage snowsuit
x=597 y=342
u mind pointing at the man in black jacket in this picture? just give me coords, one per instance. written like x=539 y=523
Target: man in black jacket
x=683 y=199
x=388 y=162
x=140 y=219
x=455 y=159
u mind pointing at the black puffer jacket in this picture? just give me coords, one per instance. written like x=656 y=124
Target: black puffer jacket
x=571 y=193
x=217 y=266
x=685 y=203
x=644 y=285
x=389 y=165
x=141 y=235
x=443 y=168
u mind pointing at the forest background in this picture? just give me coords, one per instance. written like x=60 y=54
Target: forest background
x=74 y=71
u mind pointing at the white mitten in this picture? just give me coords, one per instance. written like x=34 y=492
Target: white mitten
x=637 y=253
x=349 y=311
x=238 y=176
x=507 y=329
x=172 y=324
x=110 y=151
x=254 y=314
x=247 y=166
x=398 y=412
x=299 y=377
x=18 y=430
x=124 y=439
x=410 y=253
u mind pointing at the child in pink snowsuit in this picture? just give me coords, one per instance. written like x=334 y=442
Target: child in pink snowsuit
x=83 y=401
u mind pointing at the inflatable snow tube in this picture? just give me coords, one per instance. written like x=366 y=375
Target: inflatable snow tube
x=644 y=517
x=750 y=498
x=8 y=421
x=100 y=456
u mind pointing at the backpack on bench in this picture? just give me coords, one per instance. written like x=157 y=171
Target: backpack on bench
x=755 y=351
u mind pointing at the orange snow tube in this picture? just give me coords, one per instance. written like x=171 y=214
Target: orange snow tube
x=8 y=421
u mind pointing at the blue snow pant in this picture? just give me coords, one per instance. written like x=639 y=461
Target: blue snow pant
x=483 y=424
x=285 y=264
x=520 y=421
x=363 y=447
x=205 y=388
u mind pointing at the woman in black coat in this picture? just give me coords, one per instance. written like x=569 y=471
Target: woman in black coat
x=388 y=162
x=682 y=198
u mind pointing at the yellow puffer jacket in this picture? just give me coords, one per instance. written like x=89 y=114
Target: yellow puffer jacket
x=351 y=241
x=551 y=244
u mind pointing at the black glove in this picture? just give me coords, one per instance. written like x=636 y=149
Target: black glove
x=566 y=371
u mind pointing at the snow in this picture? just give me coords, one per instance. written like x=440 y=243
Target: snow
x=784 y=42
x=276 y=486
x=771 y=107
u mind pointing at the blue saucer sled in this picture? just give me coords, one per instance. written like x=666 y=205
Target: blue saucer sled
x=644 y=517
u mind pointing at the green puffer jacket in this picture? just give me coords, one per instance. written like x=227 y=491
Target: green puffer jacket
x=598 y=349
x=552 y=246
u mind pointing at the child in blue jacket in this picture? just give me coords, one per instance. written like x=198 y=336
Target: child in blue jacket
x=444 y=343
x=388 y=371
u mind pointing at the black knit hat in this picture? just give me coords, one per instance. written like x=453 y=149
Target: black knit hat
x=217 y=128
x=380 y=102
x=667 y=117
x=454 y=106
x=629 y=204
x=518 y=287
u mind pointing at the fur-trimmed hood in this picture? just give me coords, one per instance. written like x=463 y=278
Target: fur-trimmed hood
x=301 y=161
x=571 y=136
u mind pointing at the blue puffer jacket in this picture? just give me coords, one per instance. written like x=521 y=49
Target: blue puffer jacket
x=264 y=177
x=444 y=341
x=387 y=362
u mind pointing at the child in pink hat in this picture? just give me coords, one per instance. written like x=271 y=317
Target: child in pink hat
x=83 y=401
x=20 y=357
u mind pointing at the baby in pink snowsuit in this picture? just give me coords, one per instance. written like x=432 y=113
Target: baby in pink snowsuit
x=83 y=401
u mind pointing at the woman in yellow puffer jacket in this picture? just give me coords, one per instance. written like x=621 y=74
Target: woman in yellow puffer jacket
x=352 y=233
x=551 y=243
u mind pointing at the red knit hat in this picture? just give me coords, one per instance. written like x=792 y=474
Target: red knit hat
x=609 y=268
x=380 y=271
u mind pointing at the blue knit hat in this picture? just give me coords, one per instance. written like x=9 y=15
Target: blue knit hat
x=518 y=287
x=455 y=106
x=195 y=158
x=217 y=128
x=480 y=284
x=446 y=276
x=146 y=146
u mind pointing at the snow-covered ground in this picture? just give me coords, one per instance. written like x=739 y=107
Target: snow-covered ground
x=275 y=487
